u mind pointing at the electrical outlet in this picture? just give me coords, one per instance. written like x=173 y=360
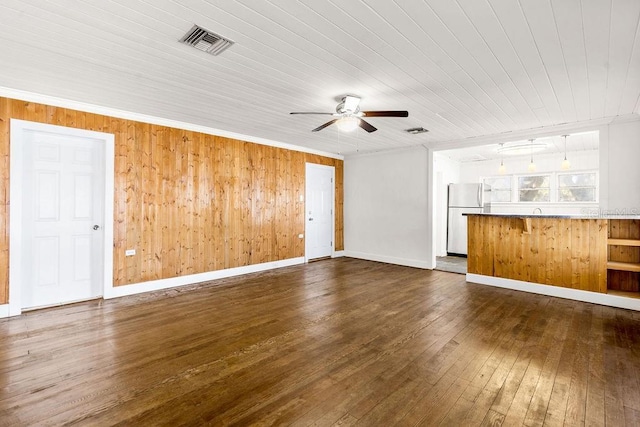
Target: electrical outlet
x=130 y=252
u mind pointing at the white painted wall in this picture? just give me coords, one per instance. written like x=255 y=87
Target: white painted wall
x=446 y=171
x=621 y=176
x=386 y=207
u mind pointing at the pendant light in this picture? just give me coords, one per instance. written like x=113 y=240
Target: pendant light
x=502 y=169
x=532 y=166
x=566 y=164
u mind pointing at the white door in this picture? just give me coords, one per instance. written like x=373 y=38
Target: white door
x=319 y=211
x=62 y=218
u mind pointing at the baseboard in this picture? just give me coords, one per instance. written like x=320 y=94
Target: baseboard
x=390 y=260
x=4 y=310
x=156 y=285
x=557 y=291
x=338 y=254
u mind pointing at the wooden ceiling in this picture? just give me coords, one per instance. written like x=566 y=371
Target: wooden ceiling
x=462 y=68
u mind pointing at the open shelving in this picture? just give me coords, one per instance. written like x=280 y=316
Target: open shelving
x=623 y=256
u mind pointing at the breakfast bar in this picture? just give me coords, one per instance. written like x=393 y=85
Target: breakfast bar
x=593 y=259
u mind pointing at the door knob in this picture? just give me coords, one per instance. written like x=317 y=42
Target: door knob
x=96 y=227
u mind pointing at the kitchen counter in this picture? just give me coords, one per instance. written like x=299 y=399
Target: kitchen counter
x=594 y=216
x=589 y=258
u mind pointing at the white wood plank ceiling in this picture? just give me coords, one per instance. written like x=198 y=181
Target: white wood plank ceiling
x=577 y=142
x=462 y=68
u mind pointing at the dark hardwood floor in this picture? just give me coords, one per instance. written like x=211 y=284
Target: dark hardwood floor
x=336 y=342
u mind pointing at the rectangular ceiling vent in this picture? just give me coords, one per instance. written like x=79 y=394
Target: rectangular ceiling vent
x=206 y=41
x=415 y=131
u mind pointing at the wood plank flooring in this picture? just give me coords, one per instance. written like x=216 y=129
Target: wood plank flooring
x=335 y=342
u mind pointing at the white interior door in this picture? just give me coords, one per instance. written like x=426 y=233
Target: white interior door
x=62 y=218
x=319 y=211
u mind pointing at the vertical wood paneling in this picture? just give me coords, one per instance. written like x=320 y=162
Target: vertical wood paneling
x=187 y=202
x=4 y=200
x=472 y=236
x=558 y=251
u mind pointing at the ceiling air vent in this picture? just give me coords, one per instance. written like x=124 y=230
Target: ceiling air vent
x=206 y=41
x=415 y=131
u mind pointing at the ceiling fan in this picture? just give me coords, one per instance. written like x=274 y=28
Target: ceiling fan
x=348 y=115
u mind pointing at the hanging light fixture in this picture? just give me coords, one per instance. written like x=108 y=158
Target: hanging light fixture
x=502 y=169
x=566 y=164
x=348 y=123
x=532 y=166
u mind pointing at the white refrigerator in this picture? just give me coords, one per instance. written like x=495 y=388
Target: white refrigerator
x=464 y=198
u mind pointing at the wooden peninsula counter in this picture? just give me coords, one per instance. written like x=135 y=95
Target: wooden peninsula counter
x=590 y=259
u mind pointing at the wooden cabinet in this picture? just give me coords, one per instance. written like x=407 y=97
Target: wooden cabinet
x=623 y=255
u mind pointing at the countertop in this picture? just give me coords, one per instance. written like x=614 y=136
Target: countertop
x=595 y=216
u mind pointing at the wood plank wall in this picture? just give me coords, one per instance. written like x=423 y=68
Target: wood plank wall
x=187 y=202
x=565 y=252
x=624 y=280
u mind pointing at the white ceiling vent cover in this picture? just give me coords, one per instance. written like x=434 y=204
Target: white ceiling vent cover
x=206 y=41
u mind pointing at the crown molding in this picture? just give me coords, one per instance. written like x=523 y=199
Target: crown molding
x=129 y=115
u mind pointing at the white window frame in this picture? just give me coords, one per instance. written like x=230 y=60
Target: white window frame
x=510 y=177
x=553 y=183
x=578 y=172
x=548 y=174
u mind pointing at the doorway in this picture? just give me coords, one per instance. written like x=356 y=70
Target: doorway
x=319 y=211
x=61 y=218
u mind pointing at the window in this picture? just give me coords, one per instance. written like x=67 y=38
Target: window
x=500 y=188
x=577 y=187
x=534 y=188
x=570 y=187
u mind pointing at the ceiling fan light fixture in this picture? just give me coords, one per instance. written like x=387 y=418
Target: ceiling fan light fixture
x=348 y=116
x=348 y=123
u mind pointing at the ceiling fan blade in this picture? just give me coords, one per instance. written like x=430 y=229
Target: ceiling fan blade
x=308 y=112
x=385 y=113
x=366 y=126
x=325 y=125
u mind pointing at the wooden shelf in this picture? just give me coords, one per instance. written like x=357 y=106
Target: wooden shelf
x=624 y=266
x=623 y=242
x=627 y=294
